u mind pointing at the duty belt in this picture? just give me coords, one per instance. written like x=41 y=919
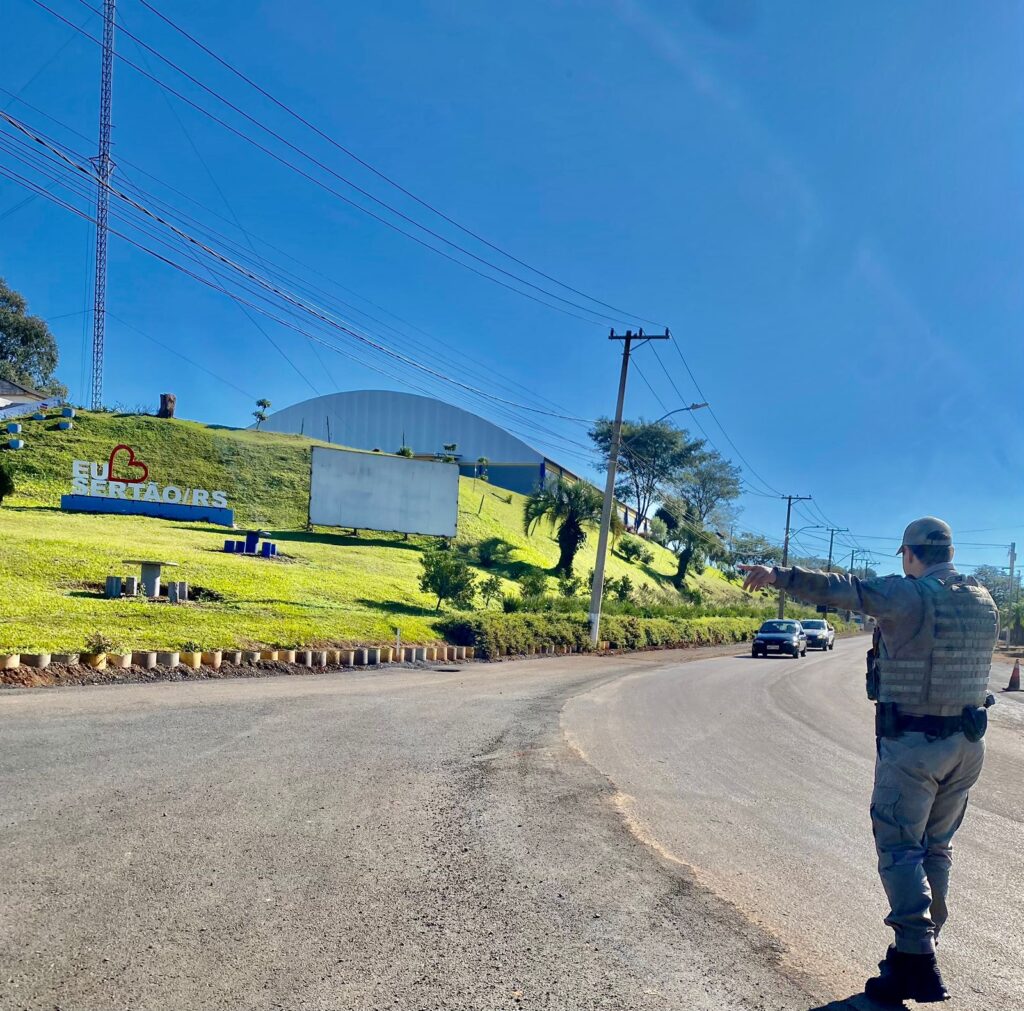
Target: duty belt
x=933 y=726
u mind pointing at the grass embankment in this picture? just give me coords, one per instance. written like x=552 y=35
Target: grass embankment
x=330 y=589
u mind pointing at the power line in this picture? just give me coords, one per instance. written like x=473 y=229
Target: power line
x=548 y=435
x=264 y=283
x=463 y=357
x=381 y=175
x=326 y=168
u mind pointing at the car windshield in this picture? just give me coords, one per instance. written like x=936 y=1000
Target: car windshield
x=780 y=626
x=813 y=624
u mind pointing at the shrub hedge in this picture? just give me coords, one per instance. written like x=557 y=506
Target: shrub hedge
x=495 y=634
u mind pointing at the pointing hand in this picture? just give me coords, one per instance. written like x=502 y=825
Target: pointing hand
x=758 y=576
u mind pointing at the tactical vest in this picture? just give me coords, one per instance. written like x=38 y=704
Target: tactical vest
x=948 y=661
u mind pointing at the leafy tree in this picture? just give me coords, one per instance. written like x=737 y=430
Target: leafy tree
x=997 y=582
x=707 y=483
x=753 y=549
x=480 y=470
x=658 y=529
x=6 y=485
x=568 y=505
x=260 y=417
x=490 y=589
x=447 y=575
x=28 y=351
x=651 y=454
x=687 y=538
x=263 y=404
x=533 y=583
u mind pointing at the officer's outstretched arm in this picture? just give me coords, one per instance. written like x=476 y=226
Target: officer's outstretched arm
x=881 y=597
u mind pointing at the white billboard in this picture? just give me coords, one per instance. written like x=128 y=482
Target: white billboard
x=370 y=491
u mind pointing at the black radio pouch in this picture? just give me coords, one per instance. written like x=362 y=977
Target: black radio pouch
x=871 y=683
x=975 y=719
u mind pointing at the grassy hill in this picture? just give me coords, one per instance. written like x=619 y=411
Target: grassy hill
x=330 y=588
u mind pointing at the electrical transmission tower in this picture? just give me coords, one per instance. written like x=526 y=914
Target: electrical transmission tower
x=104 y=169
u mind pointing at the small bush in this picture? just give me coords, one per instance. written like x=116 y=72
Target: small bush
x=490 y=589
x=634 y=550
x=100 y=643
x=569 y=586
x=493 y=551
x=533 y=583
x=448 y=577
x=497 y=634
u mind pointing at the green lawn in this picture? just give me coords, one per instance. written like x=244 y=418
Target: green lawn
x=331 y=589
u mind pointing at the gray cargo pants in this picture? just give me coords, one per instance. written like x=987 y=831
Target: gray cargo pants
x=918 y=803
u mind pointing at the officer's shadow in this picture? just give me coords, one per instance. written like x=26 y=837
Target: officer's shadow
x=857 y=1002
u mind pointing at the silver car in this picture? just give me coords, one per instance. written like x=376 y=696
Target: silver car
x=820 y=634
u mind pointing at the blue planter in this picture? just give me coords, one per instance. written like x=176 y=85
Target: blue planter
x=14 y=428
x=15 y=443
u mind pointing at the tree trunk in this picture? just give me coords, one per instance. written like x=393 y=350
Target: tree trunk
x=168 y=401
x=685 y=556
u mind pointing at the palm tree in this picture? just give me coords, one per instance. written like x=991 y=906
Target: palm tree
x=568 y=505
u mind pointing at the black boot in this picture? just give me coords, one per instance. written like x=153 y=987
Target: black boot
x=904 y=976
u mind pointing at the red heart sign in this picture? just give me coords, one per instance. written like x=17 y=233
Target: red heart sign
x=131 y=464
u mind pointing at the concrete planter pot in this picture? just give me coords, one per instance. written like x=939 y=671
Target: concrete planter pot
x=168 y=659
x=319 y=658
x=232 y=656
x=97 y=661
x=374 y=656
x=470 y=652
x=360 y=659
x=419 y=653
x=304 y=657
x=38 y=660
x=268 y=654
x=146 y=659
x=347 y=657
x=193 y=661
x=212 y=658
x=286 y=655
x=460 y=652
x=66 y=659
x=251 y=656
x=8 y=661
x=408 y=654
x=119 y=661
x=431 y=654
x=387 y=654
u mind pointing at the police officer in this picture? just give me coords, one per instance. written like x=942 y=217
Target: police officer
x=928 y=675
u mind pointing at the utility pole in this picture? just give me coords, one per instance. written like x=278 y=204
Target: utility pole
x=790 y=499
x=597 y=589
x=832 y=531
x=104 y=170
x=1013 y=562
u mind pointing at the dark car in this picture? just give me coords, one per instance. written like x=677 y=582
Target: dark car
x=783 y=635
x=820 y=634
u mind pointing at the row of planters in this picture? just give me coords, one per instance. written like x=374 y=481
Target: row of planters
x=102 y=654
x=495 y=635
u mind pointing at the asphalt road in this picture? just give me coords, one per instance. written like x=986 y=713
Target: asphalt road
x=414 y=839
x=757 y=774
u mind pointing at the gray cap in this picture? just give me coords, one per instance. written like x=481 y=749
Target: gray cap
x=925 y=531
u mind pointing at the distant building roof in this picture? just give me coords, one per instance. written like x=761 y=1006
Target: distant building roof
x=8 y=389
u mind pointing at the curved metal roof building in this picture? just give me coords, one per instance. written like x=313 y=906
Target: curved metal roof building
x=387 y=420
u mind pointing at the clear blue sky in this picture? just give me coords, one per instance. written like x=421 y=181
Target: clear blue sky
x=825 y=202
